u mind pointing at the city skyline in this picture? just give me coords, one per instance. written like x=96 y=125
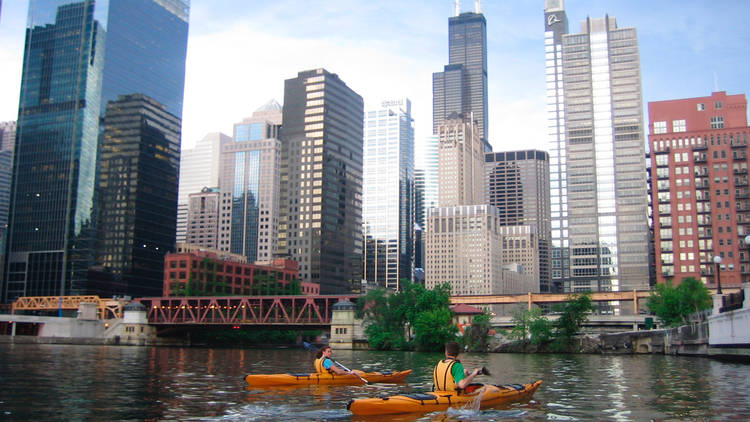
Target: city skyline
x=391 y=49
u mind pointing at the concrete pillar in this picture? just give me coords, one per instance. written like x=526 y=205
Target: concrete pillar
x=746 y=289
x=717 y=304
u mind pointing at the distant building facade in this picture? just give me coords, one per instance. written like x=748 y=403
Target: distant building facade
x=699 y=187
x=250 y=164
x=517 y=183
x=199 y=168
x=460 y=163
x=388 y=194
x=320 y=222
x=203 y=218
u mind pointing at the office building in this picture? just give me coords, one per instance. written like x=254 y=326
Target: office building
x=460 y=163
x=517 y=183
x=249 y=185
x=462 y=85
x=203 y=218
x=700 y=196
x=199 y=168
x=138 y=170
x=320 y=222
x=598 y=186
x=388 y=194
x=78 y=57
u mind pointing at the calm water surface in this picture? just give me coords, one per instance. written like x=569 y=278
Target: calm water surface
x=63 y=382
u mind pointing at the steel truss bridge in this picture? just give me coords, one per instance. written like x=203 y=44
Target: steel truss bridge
x=311 y=311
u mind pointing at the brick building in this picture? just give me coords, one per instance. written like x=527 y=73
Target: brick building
x=214 y=270
x=699 y=188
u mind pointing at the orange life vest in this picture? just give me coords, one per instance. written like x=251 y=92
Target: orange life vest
x=320 y=368
x=442 y=378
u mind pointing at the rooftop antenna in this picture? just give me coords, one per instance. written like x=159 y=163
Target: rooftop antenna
x=716 y=82
x=477 y=6
x=458 y=7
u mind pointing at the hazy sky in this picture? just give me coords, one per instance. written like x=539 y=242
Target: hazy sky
x=241 y=51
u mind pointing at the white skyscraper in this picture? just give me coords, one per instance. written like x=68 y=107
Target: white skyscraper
x=388 y=193
x=199 y=168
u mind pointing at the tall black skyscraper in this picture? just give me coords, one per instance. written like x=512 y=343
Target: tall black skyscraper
x=462 y=85
x=139 y=166
x=78 y=56
x=320 y=218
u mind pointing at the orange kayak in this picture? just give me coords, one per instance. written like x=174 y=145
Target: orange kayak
x=329 y=379
x=491 y=395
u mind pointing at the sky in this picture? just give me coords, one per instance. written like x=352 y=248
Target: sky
x=241 y=51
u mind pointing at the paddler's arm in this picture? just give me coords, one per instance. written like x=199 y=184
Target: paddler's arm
x=469 y=378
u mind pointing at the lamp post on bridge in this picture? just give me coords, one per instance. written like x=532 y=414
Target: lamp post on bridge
x=717 y=263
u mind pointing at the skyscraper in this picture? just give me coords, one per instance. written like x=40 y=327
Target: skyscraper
x=517 y=183
x=555 y=26
x=388 y=194
x=79 y=56
x=249 y=210
x=199 y=168
x=320 y=222
x=601 y=165
x=461 y=163
x=462 y=85
x=203 y=218
x=700 y=195
x=138 y=170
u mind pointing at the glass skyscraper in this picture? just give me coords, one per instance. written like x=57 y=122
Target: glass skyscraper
x=320 y=222
x=79 y=56
x=462 y=85
x=598 y=183
x=388 y=194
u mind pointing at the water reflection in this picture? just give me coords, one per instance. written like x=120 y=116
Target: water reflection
x=60 y=382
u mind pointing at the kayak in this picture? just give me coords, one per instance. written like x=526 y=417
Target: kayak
x=441 y=400
x=329 y=379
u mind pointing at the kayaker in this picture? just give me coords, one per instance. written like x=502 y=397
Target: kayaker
x=449 y=374
x=325 y=365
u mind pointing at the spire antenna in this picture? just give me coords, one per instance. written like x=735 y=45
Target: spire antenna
x=458 y=7
x=477 y=6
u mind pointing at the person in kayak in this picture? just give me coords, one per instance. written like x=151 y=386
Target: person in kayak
x=449 y=374
x=325 y=365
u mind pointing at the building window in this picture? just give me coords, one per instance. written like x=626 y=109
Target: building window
x=701 y=106
x=718 y=105
x=660 y=127
x=678 y=125
x=717 y=122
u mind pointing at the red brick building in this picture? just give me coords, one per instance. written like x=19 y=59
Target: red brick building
x=212 y=272
x=699 y=188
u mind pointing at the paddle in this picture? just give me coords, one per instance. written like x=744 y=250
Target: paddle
x=312 y=348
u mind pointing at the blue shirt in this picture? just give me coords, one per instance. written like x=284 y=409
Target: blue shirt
x=327 y=363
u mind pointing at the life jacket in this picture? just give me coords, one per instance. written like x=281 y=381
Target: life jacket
x=442 y=378
x=319 y=366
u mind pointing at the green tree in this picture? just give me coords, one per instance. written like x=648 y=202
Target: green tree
x=531 y=326
x=672 y=305
x=573 y=314
x=390 y=316
x=477 y=335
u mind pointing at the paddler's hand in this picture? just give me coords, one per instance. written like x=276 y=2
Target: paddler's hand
x=476 y=371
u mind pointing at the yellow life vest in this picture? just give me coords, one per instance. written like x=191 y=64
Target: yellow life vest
x=442 y=378
x=319 y=366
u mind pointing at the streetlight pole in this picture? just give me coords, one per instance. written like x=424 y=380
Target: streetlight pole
x=717 y=263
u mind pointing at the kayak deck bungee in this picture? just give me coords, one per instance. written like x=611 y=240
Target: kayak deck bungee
x=328 y=379
x=441 y=400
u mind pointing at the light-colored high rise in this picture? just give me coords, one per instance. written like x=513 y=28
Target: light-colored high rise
x=598 y=182
x=199 y=168
x=460 y=162
x=249 y=186
x=388 y=194
x=426 y=158
x=203 y=218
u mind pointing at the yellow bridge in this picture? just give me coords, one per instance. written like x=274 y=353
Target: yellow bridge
x=108 y=308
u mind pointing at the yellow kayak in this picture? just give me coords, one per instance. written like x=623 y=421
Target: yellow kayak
x=491 y=395
x=264 y=380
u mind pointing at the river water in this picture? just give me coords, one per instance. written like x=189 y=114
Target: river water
x=66 y=382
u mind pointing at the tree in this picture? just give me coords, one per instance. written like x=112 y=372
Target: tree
x=673 y=305
x=390 y=316
x=531 y=326
x=477 y=334
x=573 y=314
